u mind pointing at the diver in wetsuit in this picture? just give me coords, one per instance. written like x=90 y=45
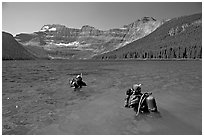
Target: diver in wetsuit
x=77 y=82
x=133 y=96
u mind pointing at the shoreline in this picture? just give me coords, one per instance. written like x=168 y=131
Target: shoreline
x=108 y=59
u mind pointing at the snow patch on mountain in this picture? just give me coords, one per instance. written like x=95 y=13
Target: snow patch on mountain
x=52 y=29
x=123 y=28
x=72 y=44
x=47 y=28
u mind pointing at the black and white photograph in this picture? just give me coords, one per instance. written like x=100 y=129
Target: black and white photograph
x=101 y=68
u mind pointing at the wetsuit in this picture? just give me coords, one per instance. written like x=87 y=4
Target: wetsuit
x=129 y=92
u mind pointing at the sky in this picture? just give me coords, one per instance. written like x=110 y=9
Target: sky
x=28 y=17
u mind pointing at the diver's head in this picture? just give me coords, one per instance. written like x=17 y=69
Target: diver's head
x=137 y=87
x=78 y=76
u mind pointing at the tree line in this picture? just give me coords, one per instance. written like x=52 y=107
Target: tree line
x=191 y=52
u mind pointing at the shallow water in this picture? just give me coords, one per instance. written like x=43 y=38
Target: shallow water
x=47 y=105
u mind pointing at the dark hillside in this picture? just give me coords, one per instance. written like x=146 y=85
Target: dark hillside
x=178 y=38
x=12 y=50
x=37 y=51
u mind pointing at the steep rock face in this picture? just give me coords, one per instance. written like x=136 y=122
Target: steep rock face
x=59 y=33
x=140 y=28
x=12 y=50
x=178 y=38
x=87 y=41
x=90 y=31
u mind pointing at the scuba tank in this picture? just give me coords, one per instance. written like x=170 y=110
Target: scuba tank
x=151 y=103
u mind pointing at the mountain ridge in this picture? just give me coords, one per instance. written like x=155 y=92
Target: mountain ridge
x=87 y=41
x=145 y=38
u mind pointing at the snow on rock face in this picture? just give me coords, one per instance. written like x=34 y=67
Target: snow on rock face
x=123 y=28
x=47 y=28
x=44 y=28
x=52 y=29
x=75 y=44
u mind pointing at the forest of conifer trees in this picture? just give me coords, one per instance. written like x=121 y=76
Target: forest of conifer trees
x=193 y=52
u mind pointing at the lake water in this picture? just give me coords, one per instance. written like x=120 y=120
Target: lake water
x=176 y=85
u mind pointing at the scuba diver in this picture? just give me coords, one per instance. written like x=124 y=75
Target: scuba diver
x=140 y=102
x=133 y=95
x=77 y=82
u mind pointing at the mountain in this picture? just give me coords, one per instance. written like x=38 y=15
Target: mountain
x=59 y=41
x=12 y=50
x=140 y=28
x=177 y=38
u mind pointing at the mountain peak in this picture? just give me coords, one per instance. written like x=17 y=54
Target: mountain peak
x=87 y=27
x=146 y=19
x=52 y=27
x=142 y=20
